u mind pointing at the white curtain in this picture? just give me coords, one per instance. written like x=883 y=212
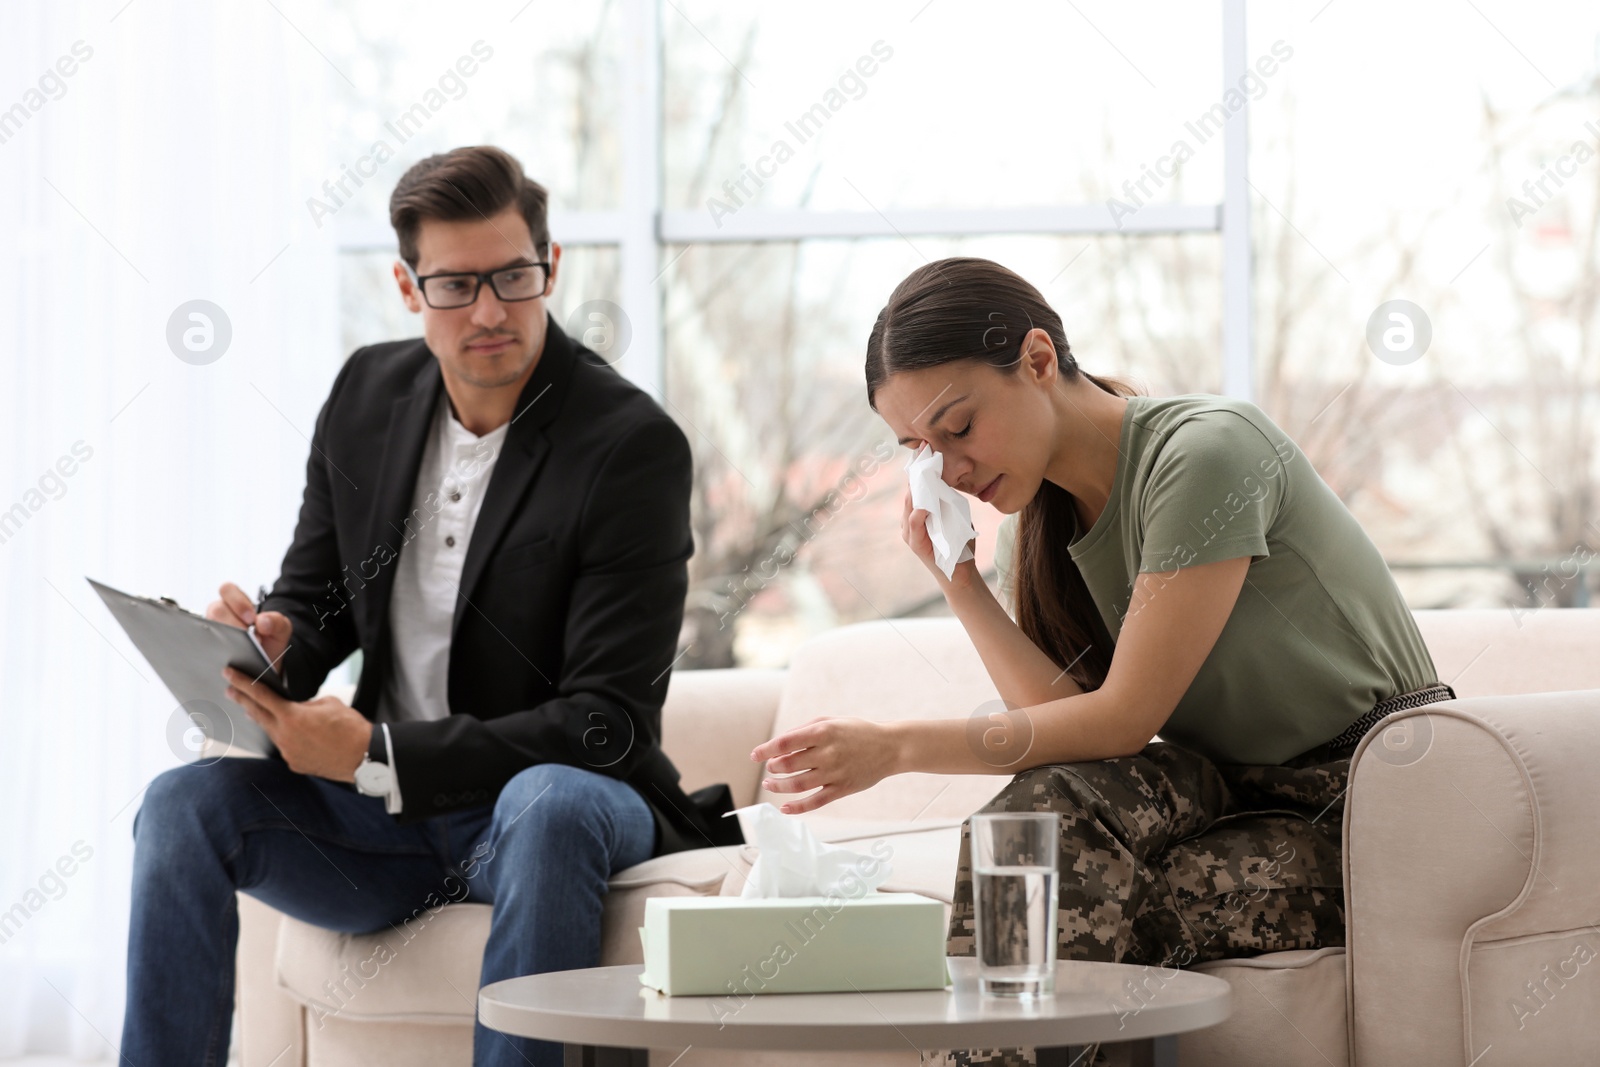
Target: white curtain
x=171 y=164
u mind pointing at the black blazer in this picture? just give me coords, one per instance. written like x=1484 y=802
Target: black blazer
x=572 y=591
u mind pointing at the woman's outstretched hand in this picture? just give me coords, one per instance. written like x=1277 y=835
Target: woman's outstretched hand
x=841 y=756
x=914 y=531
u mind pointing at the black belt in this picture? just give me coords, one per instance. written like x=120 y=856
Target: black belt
x=1353 y=733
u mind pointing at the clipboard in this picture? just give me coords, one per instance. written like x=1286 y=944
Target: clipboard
x=188 y=652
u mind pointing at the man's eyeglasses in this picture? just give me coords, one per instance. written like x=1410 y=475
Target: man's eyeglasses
x=457 y=289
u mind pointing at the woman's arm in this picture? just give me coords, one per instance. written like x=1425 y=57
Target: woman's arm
x=1173 y=622
x=1022 y=674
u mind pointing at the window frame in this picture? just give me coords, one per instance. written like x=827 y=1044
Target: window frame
x=642 y=230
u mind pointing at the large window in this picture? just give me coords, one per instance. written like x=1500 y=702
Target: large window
x=774 y=180
x=746 y=183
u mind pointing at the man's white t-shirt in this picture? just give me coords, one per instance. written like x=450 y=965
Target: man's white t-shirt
x=451 y=481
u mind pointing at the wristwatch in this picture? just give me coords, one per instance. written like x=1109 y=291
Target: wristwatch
x=376 y=777
x=373 y=779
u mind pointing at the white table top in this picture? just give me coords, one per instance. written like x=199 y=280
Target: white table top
x=1092 y=1002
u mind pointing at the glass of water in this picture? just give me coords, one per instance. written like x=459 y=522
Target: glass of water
x=1014 y=902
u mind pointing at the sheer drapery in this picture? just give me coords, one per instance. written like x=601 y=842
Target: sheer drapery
x=149 y=156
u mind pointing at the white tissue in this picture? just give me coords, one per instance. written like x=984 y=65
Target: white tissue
x=792 y=863
x=949 y=514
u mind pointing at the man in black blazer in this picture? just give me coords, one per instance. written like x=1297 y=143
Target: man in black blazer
x=518 y=611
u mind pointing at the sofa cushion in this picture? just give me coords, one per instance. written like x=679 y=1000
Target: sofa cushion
x=1491 y=651
x=426 y=968
x=1288 y=1010
x=349 y=1042
x=908 y=669
x=696 y=873
x=711 y=721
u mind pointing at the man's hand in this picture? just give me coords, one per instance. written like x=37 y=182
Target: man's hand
x=842 y=756
x=325 y=737
x=235 y=608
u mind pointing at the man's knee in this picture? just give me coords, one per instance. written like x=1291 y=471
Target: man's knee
x=194 y=797
x=549 y=795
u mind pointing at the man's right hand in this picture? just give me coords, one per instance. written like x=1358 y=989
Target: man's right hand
x=235 y=608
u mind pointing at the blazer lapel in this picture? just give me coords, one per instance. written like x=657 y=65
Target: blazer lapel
x=522 y=454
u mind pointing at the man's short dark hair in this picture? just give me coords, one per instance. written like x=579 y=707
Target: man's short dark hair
x=466 y=183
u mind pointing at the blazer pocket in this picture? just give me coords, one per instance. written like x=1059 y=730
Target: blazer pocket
x=523 y=555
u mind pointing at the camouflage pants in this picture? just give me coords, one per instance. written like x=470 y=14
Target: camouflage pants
x=1169 y=859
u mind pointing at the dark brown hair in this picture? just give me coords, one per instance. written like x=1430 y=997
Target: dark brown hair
x=466 y=183
x=965 y=308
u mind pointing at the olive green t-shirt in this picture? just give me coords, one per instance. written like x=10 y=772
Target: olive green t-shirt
x=1320 y=632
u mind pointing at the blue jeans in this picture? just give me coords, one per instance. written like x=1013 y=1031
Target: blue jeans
x=541 y=854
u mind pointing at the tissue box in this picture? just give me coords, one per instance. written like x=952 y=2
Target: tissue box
x=738 y=946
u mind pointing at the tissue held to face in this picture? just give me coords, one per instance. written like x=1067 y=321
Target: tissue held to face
x=993 y=426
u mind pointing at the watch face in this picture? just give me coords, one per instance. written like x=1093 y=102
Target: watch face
x=373 y=779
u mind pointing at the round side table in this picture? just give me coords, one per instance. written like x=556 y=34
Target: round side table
x=606 y=1018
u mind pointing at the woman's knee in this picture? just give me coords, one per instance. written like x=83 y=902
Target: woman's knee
x=1062 y=787
x=1113 y=799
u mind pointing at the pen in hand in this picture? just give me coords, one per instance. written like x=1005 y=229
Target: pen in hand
x=261 y=598
x=271 y=630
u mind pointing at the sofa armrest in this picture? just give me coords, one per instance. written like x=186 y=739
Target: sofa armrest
x=712 y=719
x=1470 y=824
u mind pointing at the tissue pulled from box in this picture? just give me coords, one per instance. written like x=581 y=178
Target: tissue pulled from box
x=949 y=514
x=790 y=862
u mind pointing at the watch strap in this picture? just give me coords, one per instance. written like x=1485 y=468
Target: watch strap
x=378 y=747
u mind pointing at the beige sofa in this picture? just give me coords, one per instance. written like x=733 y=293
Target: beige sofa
x=1472 y=874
